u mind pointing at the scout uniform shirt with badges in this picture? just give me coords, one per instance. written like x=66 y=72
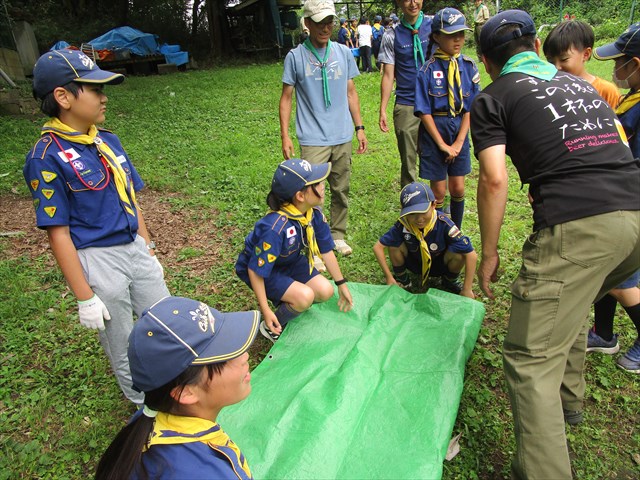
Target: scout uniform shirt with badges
x=278 y=242
x=72 y=185
x=629 y=114
x=191 y=447
x=444 y=236
x=432 y=87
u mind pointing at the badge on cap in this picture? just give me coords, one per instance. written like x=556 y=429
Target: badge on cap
x=202 y=315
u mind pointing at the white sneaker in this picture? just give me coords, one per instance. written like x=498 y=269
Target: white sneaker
x=342 y=248
x=318 y=264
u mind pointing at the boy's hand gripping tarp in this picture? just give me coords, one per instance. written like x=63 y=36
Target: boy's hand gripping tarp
x=372 y=393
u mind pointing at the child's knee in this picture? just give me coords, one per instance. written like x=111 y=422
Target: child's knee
x=324 y=291
x=454 y=261
x=303 y=298
x=398 y=255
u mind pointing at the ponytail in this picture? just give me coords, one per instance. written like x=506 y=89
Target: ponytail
x=274 y=202
x=124 y=455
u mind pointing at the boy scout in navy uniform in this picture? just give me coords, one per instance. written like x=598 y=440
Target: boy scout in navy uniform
x=83 y=186
x=428 y=243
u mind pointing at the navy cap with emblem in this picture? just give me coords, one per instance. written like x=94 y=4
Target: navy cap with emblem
x=178 y=332
x=293 y=175
x=627 y=44
x=449 y=20
x=57 y=68
x=490 y=38
x=416 y=197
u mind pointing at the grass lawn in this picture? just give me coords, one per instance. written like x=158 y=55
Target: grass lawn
x=207 y=143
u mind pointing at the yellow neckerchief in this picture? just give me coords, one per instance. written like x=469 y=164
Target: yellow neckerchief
x=171 y=429
x=124 y=188
x=425 y=254
x=292 y=213
x=453 y=79
x=628 y=101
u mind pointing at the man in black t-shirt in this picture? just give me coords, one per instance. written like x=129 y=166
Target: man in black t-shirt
x=584 y=188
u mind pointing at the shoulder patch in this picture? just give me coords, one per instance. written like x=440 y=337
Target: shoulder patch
x=39 y=150
x=476 y=77
x=279 y=224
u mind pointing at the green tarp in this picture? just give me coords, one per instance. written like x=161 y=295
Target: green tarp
x=372 y=393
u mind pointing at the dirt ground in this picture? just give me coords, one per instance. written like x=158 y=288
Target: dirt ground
x=172 y=230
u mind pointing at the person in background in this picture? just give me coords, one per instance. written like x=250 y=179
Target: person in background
x=626 y=54
x=343 y=34
x=365 y=35
x=378 y=31
x=445 y=87
x=480 y=17
x=321 y=72
x=402 y=53
x=568 y=46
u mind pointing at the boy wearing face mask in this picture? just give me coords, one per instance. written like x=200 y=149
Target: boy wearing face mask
x=626 y=75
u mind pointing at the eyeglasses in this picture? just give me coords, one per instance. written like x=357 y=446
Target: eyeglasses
x=330 y=24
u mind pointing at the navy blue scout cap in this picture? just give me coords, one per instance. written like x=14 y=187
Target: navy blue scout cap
x=293 y=175
x=56 y=68
x=178 y=332
x=627 y=44
x=449 y=20
x=416 y=198
x=488 y=38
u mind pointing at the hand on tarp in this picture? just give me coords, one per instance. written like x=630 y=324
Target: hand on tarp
x=345 y=302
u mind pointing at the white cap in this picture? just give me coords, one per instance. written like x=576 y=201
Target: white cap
x=318 y=10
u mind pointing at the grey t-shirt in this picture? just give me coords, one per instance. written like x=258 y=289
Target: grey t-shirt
x=317 y=125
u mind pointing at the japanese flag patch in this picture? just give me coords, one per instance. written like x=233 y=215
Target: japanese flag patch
x=438 y=74
x=291 y=232
x=69 y=154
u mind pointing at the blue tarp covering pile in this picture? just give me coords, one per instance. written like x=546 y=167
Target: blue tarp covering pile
x=137 y=43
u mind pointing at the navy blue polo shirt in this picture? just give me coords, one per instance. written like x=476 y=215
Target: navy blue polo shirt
x=69 y=188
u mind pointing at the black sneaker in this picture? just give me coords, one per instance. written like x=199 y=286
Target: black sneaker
x=264 y=330
x=403 y=281
x=572 y=417
x=451 y=285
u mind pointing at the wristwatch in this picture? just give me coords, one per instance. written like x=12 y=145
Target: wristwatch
x=359 y=127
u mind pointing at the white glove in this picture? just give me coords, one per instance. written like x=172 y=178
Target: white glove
x=93 y=313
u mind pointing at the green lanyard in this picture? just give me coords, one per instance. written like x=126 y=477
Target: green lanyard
x=323 y=67
x=417 y=43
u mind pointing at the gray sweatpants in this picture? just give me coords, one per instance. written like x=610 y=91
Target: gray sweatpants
x=128 y=280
